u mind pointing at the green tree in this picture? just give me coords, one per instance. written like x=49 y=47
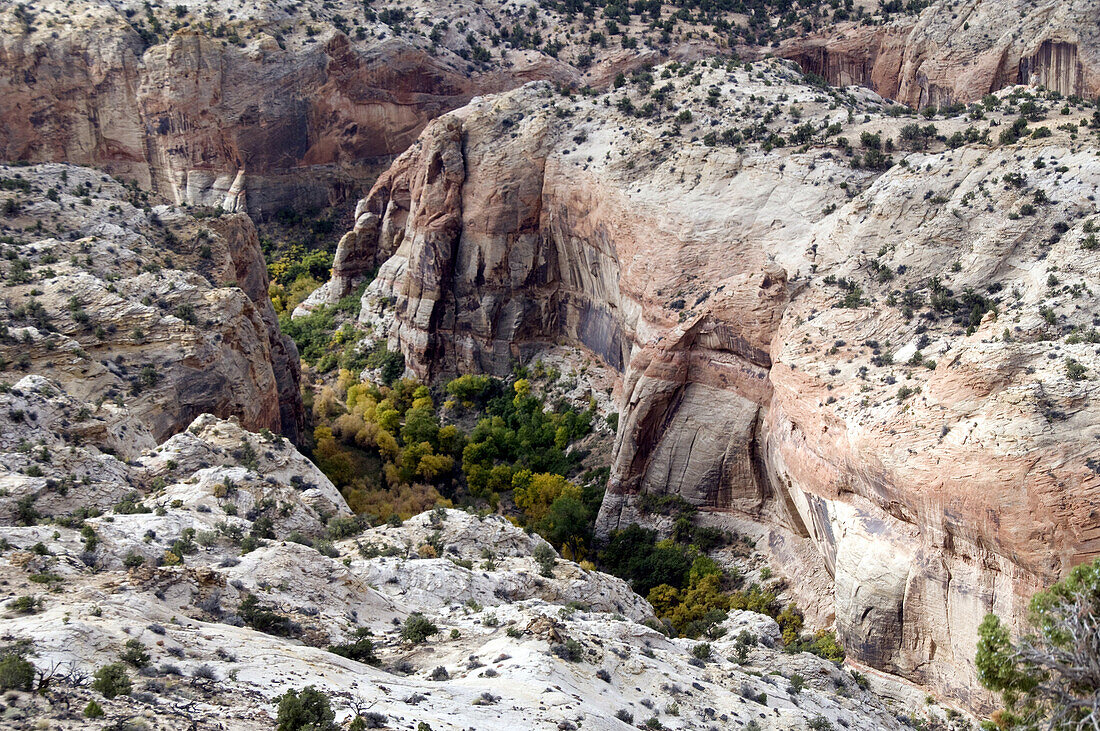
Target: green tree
x=1050 y=676
x=636 y=555
x=567 y=524
x=16 y=673
x=112 y=680
x=305 y=710
x=418 y=628
x=135 y=653
x=421 y=425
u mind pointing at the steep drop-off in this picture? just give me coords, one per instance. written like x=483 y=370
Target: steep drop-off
x=880 y=367
x=202 y=106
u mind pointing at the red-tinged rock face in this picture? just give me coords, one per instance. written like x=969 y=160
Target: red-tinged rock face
x=254 y=114
x=941 y=57
x=815 y=347
x=189 y=115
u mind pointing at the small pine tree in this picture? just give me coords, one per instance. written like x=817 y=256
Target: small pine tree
x=418 y=628
x=135 y=654
x=305 y=710
x=112 y=680
x=16 y=673
x=1050 y=676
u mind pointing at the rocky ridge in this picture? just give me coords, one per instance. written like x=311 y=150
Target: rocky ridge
x=150 y=307
x=279 y=108
x=958 y=52
x=258 y=111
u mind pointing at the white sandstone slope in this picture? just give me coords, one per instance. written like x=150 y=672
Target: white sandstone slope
x=231 y=514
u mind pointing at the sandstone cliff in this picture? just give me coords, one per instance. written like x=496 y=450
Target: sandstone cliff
x=201 y=106
x=154 y=309
x=252 y=127
x=889 y=370
x=958 y=53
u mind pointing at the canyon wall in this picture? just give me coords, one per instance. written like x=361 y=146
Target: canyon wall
x=958 y=53
x=868 y=365
x=263 y=113
x=259 y=113
x=199 y=121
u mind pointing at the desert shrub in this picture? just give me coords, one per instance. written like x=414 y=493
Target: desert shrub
x=546 y=559
x=418 y=628
x=262 y=618
x=112 y=680
x=570 y=650
x=798 y=683
x=361 y=650
x=344 y=526
x=16 y=672
x=305 y=710
x=134 y=653
x=25 y=604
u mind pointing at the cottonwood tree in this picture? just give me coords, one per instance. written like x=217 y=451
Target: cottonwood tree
x=1049 y=678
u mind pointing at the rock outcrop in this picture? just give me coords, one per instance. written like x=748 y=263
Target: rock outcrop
x=252 y=127
x=889 y=370
x=202 y=106
x=150 y=307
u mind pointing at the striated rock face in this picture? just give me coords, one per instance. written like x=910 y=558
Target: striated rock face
x=259 y=113
x=154 y=309
x=262 y=113
x=950 y=53
x=199 y=121
x=879 y=368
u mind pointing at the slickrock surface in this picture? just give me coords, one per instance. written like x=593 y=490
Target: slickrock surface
x=890 y=369
x=153 y=308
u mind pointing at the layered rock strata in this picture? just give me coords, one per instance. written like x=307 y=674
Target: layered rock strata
x=951 y=53
x=256 y=112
